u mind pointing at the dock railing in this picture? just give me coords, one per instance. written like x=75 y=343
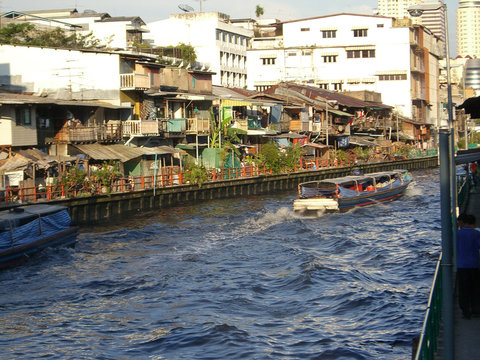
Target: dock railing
x=427 y=344
x=92 y=186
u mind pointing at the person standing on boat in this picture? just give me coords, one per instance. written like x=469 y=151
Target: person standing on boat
x=468 y=262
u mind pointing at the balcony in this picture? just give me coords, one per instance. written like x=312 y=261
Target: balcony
x=140 y=128
x=241 y=124
x=173 y=126
x=198 y=126
x=134 y=81
x=298 y=125
x=99 y=133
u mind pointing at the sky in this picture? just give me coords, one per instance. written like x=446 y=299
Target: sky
x=152 y=10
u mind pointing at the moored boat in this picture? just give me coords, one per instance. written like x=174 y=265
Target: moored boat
x=344 y=193
x=29 y=229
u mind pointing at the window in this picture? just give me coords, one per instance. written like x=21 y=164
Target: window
x=329 y=34
x=356 y=54
x=23 y=116
x=323 y=86
x=219 y=35
x=305 y=29
x=392 y=77
x=329 y=58
x=268 y=61
x=360 y=32
x=292 y=54
x=380 y=25
x=337 y=86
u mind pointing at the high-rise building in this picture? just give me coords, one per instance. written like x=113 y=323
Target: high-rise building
x=431 y=19
x=468 y=28
x=395 y=8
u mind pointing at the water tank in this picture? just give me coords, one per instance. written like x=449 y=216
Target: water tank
x=472 y=74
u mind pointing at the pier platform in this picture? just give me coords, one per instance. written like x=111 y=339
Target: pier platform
x=467 y=331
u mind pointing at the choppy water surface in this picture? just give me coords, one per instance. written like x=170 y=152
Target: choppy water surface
x=232 y=279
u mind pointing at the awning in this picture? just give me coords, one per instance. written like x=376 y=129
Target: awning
x=159 y=150
x=195 y=97
x=290 y=136
x=110 y=152
x=261 y=132
x=371 y=47
x=340 y=113
x=24 y=158
x=315 y=145
x=229 y=102
x=356 y=140
x=190 y=146
x=392 y=72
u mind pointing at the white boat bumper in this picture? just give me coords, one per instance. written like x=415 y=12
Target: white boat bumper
x=314 y=204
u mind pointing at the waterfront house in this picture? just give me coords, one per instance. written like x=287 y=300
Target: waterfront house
x=353 y=52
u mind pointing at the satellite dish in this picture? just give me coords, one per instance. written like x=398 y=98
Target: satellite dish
x=186 y=8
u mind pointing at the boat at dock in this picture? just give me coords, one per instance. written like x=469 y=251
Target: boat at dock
x=344 y=193
x=26 y=230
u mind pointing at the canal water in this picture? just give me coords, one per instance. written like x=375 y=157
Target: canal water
x=232 y=279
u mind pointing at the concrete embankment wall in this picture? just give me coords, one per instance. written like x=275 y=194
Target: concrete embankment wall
x=96 y=209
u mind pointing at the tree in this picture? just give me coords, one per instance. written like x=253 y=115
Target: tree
x=259 y=11
x=15 y=34
x=187 y=53
x=272 y=157
x=180 y=51
x=28 y=34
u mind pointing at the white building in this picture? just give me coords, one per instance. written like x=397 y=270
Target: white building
x=468 y=28
x=61 y=74
x=349 y=52
x=113 y=32
x=216 y=41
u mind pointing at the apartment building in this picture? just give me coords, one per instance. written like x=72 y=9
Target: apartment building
x=351 y=52
x=218 y=43
x=468 y=28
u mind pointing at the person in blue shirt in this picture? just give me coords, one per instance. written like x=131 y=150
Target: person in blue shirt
x=468 y=262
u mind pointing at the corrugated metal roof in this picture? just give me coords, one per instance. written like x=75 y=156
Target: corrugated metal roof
x=322 y=95
x=121 y=152
x=110 y=152
x=19 y=99
x=160 y=150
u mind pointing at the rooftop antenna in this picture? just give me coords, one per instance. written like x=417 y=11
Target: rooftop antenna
x=186 y=8
x=200 y=4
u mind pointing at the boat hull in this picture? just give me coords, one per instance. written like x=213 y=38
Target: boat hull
x=18 y=254
x=342 y=194
x=371 y=198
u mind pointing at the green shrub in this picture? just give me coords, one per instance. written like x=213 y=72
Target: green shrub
x=195 y=174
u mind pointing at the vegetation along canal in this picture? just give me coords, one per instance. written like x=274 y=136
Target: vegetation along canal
x=232 y=279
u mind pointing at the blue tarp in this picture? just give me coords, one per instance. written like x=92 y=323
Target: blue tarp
x=276 y=114
x=30 y=232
